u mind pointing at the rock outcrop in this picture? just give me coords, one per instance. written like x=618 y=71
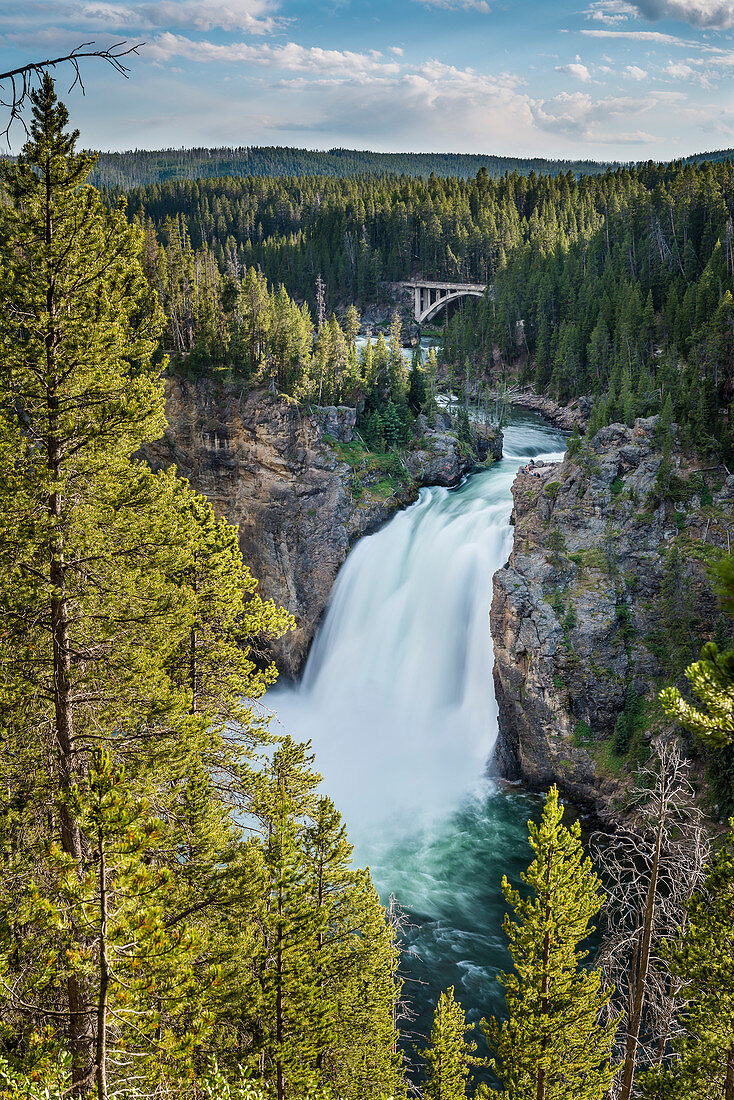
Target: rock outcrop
x=578 y=615
x=564 y=417
x=279 y=475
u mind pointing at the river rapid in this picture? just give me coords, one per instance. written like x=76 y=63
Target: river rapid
x=398 y=700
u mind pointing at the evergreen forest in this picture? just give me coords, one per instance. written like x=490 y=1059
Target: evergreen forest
x=180 y=915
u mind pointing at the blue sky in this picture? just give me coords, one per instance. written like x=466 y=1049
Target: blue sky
x=605 y=79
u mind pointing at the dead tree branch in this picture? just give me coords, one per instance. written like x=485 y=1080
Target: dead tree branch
x=650 y=869
x=21 y=81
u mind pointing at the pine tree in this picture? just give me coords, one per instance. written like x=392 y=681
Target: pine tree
x=81 y=394
x=552 y=1047
x=353 y=964
x=122 y=619
x=138 y=969
x=450 y=1057
x=711 y=677
x=287 y=1024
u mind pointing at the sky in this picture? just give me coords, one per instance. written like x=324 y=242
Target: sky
x=599 y=79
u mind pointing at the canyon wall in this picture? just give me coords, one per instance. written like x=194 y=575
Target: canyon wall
x=583 y=611
x=278 y=474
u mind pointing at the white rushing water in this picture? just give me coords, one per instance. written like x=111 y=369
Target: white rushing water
x=398 y=701
x=397 y=695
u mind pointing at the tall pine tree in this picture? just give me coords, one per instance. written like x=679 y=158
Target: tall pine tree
x=552 y=1047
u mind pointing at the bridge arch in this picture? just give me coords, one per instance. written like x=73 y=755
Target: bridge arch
x=454 y=296
x=429 y=298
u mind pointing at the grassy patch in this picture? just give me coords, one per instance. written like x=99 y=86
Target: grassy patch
x=582 y=735
x=606 y=759
x=364 y=464
x=385 y=488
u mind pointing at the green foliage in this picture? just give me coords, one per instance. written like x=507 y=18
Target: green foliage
x=556 y=543
x=552 y=1037
x=450 y=1057
x=574 y=442
x=141 y=928
x=582 y=733
x=712 y=679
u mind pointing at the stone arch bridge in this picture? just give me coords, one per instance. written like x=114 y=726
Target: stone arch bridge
x=430 y=298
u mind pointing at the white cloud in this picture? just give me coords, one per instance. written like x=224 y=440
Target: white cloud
x=717 y=56
x=397 y=50
x=637 y=36
x=457 y=5
x=331 y=64
x=678 y=70
x=579 y=115
x=610 y=11
x=693 y=70
x=251 y=16
x=699 y=13
x=634 y=72
x=576 y=69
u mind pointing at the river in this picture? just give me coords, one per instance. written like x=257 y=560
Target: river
x=398 y=700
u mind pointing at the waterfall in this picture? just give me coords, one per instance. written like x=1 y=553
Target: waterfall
x=397 y=695
x=398 y=701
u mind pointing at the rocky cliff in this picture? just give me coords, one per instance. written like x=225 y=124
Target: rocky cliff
x=298 y=486
x=605 y=586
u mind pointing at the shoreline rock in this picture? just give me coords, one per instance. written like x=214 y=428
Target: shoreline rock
x=564 y=417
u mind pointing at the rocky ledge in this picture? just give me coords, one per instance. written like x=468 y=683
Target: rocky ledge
x=565 y=417
x=280 y=475
x=582 y=610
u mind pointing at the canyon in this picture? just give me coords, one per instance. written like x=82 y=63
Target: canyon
x=278 y=472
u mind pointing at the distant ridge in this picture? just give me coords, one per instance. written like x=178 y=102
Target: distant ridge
x=717 y=155
x=141 y=167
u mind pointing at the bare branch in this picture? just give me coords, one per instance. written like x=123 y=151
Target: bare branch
x=23 y=79
x=650 y=868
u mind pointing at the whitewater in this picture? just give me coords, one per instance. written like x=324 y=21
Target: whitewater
x=397 y=699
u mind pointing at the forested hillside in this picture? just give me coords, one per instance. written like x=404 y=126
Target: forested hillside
x=616 y=285
x=140 y=167
x=632 y=304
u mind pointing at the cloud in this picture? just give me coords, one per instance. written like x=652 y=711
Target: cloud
x=637 y=36
x=699 y=13
x=251 y=16
x=397 y=50
x=579 y=115
x=576 y=69
x=610 y=12
x=634 y=72
x=685 y=70
x=331 y=64
x=678 y=70
x=457 y=5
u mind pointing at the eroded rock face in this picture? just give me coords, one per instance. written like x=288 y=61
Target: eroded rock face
x=270 y=469
x=576 y=610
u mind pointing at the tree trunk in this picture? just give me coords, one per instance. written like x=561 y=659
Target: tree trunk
x=643 y=963
x=80 y=1025
x=104 y=981
x=729 y=1082
x=541 y=1083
